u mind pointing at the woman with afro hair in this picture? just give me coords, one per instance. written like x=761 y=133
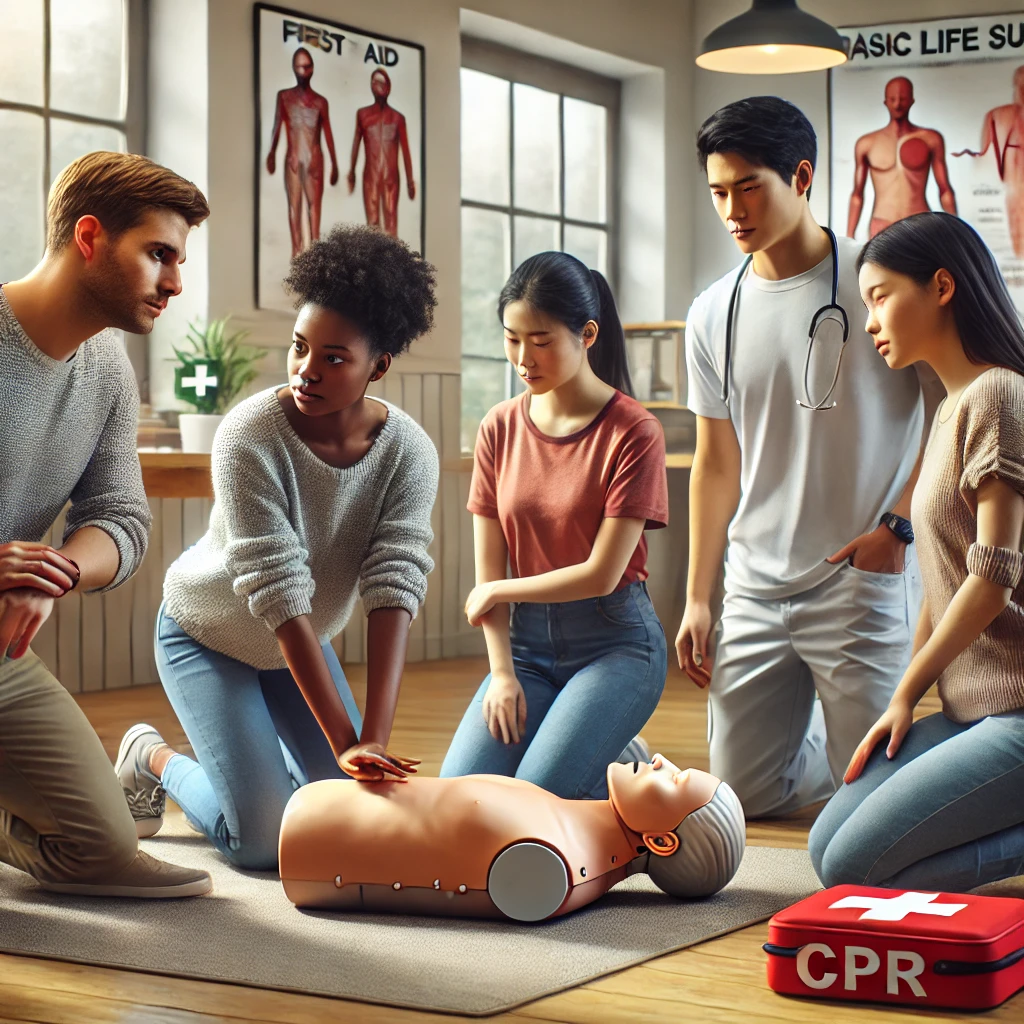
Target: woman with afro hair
x=321 y=495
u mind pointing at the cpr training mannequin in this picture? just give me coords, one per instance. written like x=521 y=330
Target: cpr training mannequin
x=494 y=846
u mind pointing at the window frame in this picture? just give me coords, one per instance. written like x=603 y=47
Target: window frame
x=518 y=67
x=134 y=123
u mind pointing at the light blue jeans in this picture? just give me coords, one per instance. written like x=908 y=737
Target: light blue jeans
x=592 y=672
x=945 y=814
x=255 y=737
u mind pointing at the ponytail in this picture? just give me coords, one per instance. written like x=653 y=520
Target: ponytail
x=562 y=287
x=608 y=353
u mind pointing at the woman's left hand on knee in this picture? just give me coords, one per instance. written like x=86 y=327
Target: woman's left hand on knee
x=894 y=724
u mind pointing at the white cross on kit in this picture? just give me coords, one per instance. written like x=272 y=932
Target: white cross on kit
x=896 y=908
x=200 y=381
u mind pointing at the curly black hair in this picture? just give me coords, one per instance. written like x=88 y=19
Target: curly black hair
x=375 y=280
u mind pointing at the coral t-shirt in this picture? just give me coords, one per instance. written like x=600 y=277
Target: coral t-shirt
x=550 y=494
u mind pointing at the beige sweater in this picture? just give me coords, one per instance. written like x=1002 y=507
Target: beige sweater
x=983 y=436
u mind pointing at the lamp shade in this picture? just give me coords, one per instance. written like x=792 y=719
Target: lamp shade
x=774 y=37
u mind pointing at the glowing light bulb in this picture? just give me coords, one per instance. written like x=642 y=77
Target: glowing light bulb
x=771 y=48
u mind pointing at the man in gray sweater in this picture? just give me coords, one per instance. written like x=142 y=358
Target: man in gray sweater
x=116 y=231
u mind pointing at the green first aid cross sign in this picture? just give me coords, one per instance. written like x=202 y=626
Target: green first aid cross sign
x=196 y=383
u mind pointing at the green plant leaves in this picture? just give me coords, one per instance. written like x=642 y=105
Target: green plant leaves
x=213 y=346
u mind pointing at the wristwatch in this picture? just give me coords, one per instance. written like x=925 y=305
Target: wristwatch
x=900 y=526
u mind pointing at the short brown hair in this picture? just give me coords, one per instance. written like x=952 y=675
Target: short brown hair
x=117 y=189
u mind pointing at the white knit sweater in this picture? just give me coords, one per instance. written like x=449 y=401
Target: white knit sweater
x=290 y=535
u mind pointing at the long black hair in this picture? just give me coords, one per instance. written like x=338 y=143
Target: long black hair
x=561 y=286
x=924 y=243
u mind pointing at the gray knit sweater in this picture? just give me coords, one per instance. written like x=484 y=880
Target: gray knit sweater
x=68 y=431
x=290 y=535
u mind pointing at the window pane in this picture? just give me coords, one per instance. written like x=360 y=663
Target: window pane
x=586 y=160
x=535 y=119
x=87 y=57
x=485 y=138
x=21 y=198
x=21 y=51
x=485 y=268
x=589 y=245
x=533 y=235
x=69 y=140
x=483 y=387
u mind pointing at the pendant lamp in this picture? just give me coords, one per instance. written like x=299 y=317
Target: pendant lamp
x=774 y=37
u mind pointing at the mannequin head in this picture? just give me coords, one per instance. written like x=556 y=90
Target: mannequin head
x=691 y=823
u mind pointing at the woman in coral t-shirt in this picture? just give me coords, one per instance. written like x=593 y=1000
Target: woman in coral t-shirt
x=566 y=478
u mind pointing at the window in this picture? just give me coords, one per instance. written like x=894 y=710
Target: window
x=64 y=91
x=537 y=146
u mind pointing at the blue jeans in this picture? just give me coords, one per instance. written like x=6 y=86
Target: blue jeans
x=255 y=737
x=946 y=813
x=592 y=672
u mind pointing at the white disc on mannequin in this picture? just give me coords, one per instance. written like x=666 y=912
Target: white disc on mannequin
x=528 y=882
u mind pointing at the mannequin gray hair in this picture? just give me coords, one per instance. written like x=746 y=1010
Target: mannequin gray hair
x=711 y=843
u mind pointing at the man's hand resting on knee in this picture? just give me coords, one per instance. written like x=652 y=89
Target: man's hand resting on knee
x=22 y=611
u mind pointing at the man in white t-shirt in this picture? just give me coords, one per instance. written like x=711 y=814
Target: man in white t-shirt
x=821 y=590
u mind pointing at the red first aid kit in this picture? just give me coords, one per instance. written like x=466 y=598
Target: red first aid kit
x=891 y=946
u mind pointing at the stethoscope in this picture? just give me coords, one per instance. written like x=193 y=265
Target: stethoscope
x=825 y=313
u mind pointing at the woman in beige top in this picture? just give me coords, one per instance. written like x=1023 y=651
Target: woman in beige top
x=939 y=803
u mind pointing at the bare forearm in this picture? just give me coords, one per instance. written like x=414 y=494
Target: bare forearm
x=947 y=200
x=974 y=606
x=496 y=636
x=714 y=498
x=305 y=659
x=573 y=583
x=386 y=643
x=923 y=630
x=96 y=555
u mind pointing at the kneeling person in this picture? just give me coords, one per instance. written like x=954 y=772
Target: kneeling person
x=117 y=226
x=322 y=495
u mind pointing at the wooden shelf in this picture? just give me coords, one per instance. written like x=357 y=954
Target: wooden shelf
x=657 y=325
x=662 y=405
x=187 y=475
x=176 y=474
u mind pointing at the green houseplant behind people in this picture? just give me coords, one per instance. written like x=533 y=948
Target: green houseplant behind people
x=210 y=375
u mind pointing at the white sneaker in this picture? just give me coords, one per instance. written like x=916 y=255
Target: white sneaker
x=146 y=797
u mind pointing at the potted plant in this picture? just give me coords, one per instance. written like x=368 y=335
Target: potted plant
x=210 y=375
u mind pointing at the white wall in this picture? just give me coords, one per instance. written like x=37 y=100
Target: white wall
x=177 y=136
x=713 y=251
x=653 y=33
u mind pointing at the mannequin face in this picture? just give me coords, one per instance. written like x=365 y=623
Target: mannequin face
x=656 y=797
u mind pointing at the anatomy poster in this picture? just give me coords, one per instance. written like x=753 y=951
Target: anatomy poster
x=929 y=115
x=339 y=136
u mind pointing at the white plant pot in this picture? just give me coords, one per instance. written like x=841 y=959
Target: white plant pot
x=197 y=430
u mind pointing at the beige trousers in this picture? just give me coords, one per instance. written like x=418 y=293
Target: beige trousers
x=63 y=817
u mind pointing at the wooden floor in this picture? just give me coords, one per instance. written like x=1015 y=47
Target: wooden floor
x=721 y=981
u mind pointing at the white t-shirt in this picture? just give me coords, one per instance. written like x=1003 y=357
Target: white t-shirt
x=810 y=481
